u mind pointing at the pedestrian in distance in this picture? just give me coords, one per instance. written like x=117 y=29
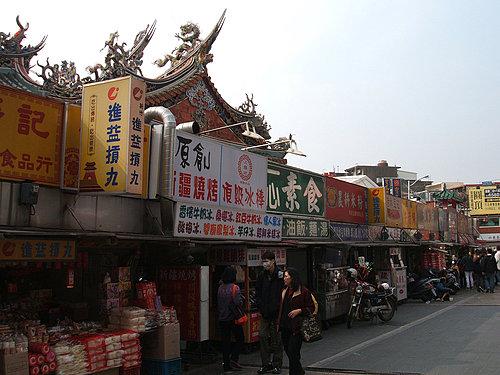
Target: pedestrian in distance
x=296 y=302
x=478 y=276
x=489 y=269
x=497 y=258
x=228 y=298
x=468 y=266
x=268 y=296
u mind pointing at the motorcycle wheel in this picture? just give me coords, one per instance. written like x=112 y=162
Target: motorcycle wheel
x=350 y=317
x=386 y=315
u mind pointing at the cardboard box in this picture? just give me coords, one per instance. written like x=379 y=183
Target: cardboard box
x=162 y=344
x=14 y=364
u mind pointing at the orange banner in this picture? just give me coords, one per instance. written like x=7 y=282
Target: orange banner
x=37 y=250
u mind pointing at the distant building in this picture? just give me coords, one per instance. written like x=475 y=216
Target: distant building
x=398 y=182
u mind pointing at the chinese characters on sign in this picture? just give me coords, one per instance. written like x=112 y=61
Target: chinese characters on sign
x=409 y=213
x=113 y=136
x=197 y=221
x=71 y=147
x=350 y=232
x=180 y=287
x=484 y=200
x=393 y=217
x=254 y=256
x=37 y=250
x=208 y=172
x=30 y=144
x=376 y=206
x=295 y=227
x=293 y=191
x=345 y=202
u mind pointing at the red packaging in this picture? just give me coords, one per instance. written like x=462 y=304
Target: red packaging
x=33 y=360
x=45 y=369
x=40 y=359
x=51 y=356
x=35 y=370
x=39 y=347
x=52 y=366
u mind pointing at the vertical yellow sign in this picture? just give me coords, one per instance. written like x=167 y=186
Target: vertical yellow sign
x=376 y=206
x=409 y=214
x=113 y=136
x=71 y=147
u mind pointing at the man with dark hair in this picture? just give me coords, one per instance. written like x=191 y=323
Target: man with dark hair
x=489 y=268
x=268 y=297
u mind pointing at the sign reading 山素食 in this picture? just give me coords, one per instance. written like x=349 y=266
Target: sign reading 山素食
x=293 y=191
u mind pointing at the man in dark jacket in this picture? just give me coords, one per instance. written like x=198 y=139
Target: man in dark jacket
x=468 y=266
x=268 y=298
x=488 y=268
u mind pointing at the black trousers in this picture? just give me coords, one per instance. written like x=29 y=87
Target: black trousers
x=292 y=345
x=231 y=352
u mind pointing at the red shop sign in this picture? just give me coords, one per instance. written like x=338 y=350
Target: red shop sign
x=345 y=202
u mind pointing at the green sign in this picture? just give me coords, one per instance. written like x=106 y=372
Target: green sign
x=297 y=227
x=293 y=191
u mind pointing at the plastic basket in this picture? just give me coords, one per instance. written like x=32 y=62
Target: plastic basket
x=171 y=367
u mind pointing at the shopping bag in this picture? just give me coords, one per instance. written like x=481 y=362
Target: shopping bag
x=310 y=329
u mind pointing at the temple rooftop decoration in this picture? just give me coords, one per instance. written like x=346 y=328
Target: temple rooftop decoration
x=184 y=87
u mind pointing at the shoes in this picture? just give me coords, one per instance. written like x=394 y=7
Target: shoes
x=276 y=370
x=236 y=365
x=230 y=368
x=265 y=369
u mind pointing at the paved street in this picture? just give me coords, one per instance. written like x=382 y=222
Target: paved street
x=459 y=337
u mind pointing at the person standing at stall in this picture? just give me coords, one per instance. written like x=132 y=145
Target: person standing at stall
x=467 y=264
x=268 y=296
x=229 y=297
x=296 y=302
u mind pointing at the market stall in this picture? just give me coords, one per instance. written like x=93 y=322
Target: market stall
x=248 y=264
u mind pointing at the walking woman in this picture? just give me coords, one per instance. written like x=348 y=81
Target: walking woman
x=229 y=296
x=296 y=302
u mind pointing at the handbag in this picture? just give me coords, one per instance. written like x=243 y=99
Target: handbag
x=240 y=318
x=310 y=329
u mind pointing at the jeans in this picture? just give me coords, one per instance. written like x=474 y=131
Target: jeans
x=498 y=276
x=489 y=281
x=270 y=343
x=292 y=344
x=469 y=280
x=231 y=352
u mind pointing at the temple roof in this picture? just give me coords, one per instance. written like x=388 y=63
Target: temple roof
x=186 y=66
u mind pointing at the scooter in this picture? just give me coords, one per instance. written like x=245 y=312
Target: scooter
x=421 y=288
x=369 y=302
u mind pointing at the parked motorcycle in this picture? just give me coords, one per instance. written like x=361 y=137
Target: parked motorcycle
x=369 y=302
x=421 y=288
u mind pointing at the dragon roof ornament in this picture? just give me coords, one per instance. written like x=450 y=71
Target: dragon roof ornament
x=120 y=61
x=11 y=47
x=259 y=121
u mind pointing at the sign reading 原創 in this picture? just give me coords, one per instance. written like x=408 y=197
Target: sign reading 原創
x=112 y=152
x=30 y=145
x=209 y=172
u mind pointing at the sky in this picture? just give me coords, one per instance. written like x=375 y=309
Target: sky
x=416 y=83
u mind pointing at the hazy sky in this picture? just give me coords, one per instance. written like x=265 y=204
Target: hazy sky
x=416 y=83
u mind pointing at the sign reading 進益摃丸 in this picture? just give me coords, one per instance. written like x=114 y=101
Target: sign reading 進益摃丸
x=112 y=134
x=37 y=250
